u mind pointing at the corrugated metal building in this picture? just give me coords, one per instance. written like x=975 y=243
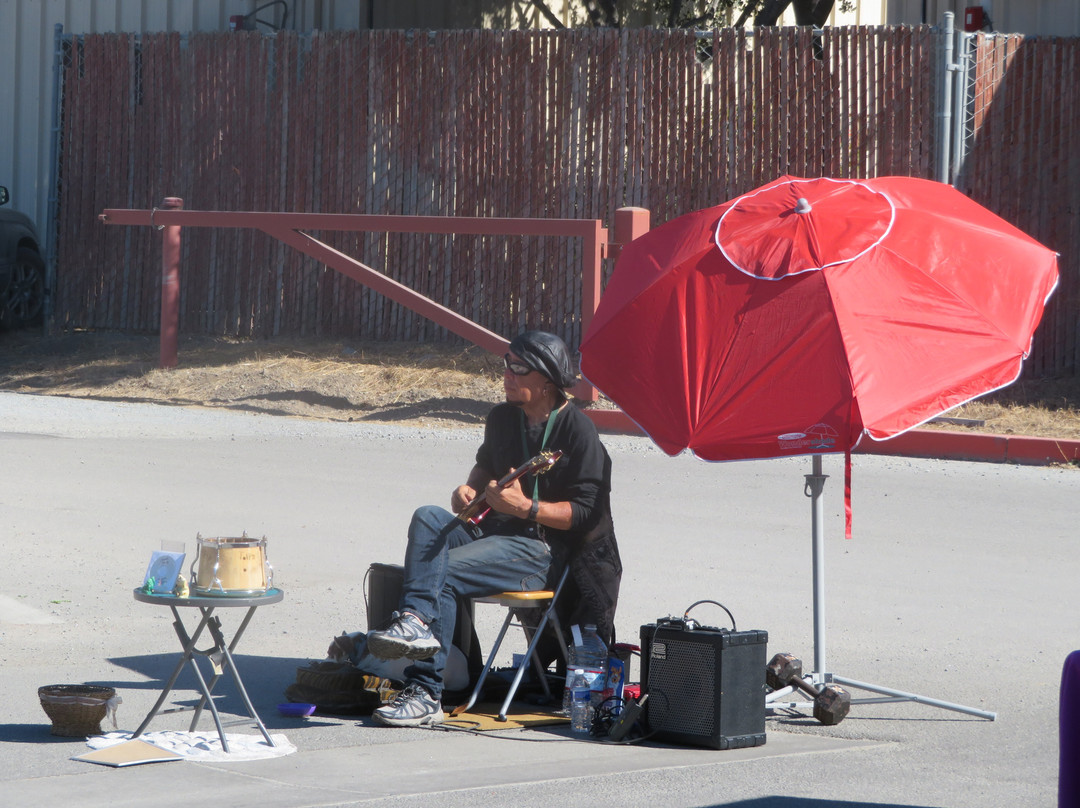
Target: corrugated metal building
x=28 y=48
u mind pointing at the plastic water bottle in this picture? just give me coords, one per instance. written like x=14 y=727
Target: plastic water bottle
x=593 y=659
x=589 y=653
x=580 y=703
x=572 y=664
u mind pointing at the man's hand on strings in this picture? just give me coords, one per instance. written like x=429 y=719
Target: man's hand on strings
x=462 y=496
x=510 y=500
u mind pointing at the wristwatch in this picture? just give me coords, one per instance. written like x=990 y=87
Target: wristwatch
x=534 y=510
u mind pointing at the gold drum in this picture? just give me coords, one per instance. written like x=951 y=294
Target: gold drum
x=231 y=566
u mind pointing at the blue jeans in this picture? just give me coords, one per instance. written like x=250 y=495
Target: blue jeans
x=445 y=562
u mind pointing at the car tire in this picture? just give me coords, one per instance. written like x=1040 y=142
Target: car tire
x=23 y=301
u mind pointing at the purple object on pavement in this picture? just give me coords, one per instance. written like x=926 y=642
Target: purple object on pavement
x=296 y=709
x=1069 y=762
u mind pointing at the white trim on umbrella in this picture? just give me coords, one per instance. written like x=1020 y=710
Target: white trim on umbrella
x=735 y=204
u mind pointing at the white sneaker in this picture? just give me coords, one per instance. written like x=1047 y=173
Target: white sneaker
x=406 y=636
x=412 y=707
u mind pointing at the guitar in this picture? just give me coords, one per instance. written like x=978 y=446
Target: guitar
x=476 y=510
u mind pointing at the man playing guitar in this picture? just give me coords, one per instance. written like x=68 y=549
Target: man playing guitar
x=509 y=530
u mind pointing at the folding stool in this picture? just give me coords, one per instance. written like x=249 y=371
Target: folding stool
x=537 y=599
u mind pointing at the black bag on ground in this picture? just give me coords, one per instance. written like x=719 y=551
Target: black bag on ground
x=382 y=593
x=339 y=688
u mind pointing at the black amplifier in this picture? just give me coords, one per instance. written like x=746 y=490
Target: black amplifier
x=706 y=685
x=382 y=594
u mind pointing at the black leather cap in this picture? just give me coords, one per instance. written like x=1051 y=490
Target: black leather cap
x=547 y=354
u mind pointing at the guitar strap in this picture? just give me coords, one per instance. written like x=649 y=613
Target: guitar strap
x=543 y=444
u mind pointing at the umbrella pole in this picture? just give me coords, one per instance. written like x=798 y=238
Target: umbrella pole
x=815 y=485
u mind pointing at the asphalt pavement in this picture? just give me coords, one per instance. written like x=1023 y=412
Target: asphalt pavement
x=958 y=585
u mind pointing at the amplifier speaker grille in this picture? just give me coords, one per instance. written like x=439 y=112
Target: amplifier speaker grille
x=706 y=687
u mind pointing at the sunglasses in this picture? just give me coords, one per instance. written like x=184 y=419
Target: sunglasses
x=517 y=368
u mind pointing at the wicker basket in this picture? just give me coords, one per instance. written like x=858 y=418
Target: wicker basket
x=76 y=710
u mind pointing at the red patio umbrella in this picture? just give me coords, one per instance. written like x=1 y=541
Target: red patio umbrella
x=797 y=318
x=807 y=314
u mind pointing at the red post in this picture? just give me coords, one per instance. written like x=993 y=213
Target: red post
x=630 y=223
x=170 y=286
x=591 y=288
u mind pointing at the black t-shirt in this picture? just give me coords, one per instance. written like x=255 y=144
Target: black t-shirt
x=582 y=476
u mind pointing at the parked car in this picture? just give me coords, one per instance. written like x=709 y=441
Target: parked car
x=22 y=270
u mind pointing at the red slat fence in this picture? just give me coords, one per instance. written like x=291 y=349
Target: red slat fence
x=538 y=124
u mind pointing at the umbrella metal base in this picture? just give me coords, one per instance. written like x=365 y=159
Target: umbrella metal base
x=815 y=485
x=893 y=696
x=777 y=700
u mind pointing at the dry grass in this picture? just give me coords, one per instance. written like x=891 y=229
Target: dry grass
x=325 y=379
x=390 y=382
x=1047 y=408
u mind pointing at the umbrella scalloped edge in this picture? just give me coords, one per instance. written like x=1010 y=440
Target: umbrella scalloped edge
x=929 y=443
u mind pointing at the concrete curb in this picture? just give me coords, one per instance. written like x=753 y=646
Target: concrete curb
x=926 y=443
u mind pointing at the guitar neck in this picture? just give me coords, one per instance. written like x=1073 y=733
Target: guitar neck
x=517 y=473
x=478 y=509
x=473 y=510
